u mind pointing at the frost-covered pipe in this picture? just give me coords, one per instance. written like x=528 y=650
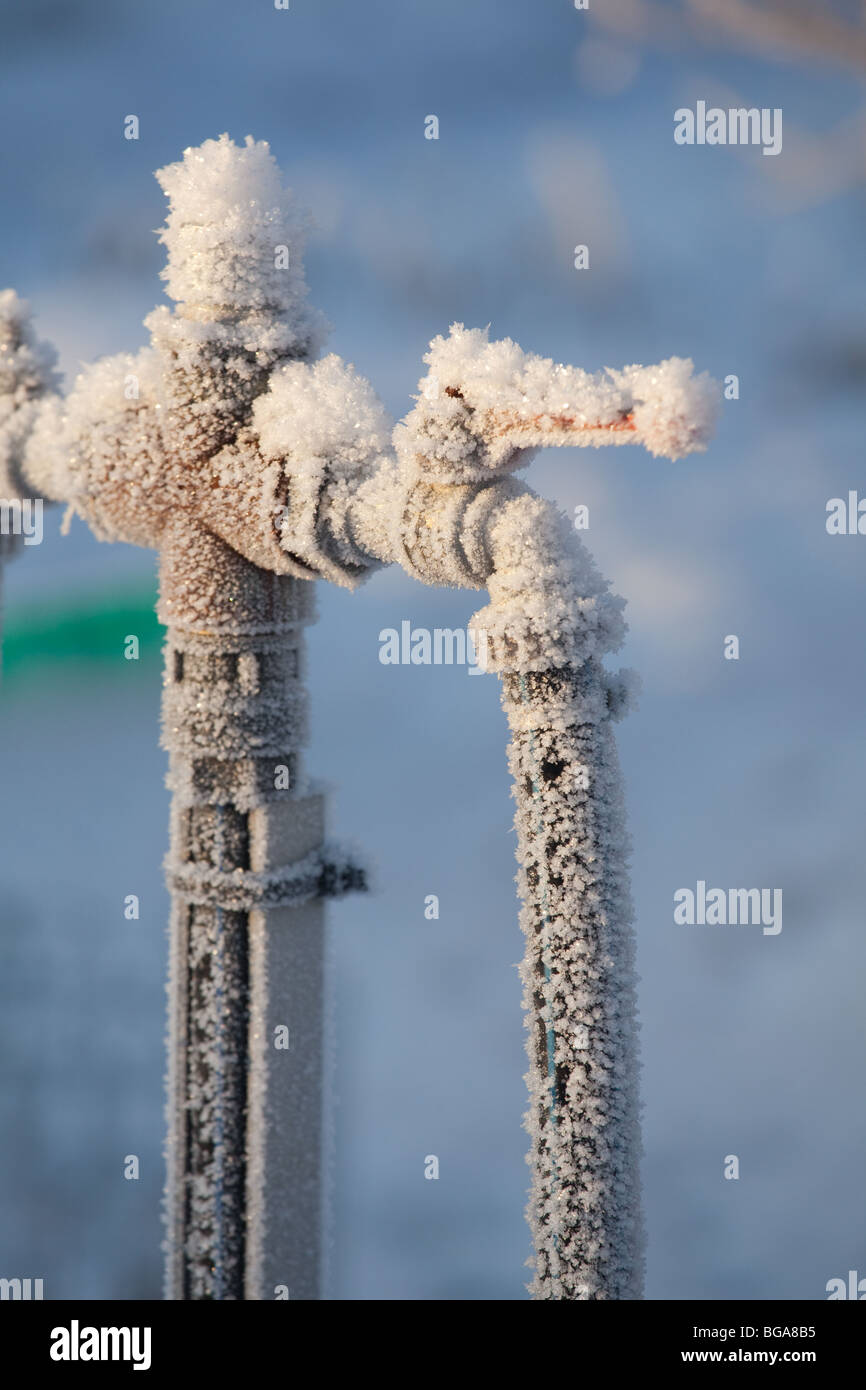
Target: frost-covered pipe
x=459 y=518
x=157 y=450
x=248 y=869
x=546 y=630
x=252 y=467
x=445 y=506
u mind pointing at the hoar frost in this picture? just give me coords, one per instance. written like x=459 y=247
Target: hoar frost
x=254 y=465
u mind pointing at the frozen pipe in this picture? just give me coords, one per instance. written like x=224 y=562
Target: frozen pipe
x=458 y=517
x=251 y=468
x=155 y=449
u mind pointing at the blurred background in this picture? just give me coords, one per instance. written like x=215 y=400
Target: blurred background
x=556 y=129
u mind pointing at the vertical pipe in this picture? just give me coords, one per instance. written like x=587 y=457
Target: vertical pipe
x=285 y=1193
x=579 y=986
x=244 y=1191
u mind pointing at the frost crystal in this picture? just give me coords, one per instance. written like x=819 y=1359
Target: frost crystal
x=507 y=401
x=235 y=237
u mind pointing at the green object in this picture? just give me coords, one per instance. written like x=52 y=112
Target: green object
x=80 y=630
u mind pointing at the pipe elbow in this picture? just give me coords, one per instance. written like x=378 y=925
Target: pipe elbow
x=549 y=606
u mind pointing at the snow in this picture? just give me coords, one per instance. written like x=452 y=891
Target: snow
x=485 y=403
x=330 y=433
x=228 y=216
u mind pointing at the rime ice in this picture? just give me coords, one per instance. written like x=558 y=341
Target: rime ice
x=228 y=216
x=253 y=467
